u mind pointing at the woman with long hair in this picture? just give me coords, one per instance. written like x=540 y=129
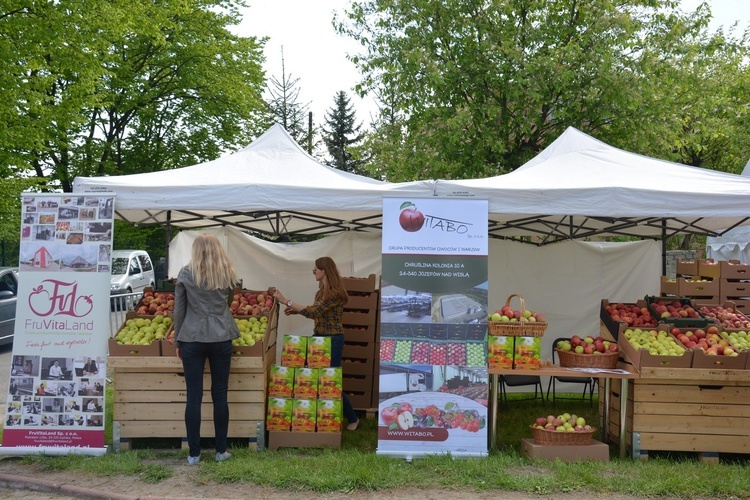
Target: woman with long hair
x=204 y=329
x=327 y=312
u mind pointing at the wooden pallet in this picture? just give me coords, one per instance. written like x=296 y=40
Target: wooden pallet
x=704 y=411
x=150 y=395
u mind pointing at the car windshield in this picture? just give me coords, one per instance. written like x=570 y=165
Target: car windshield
x=119 y=265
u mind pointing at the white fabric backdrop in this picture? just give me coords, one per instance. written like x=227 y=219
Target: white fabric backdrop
x=565 y=281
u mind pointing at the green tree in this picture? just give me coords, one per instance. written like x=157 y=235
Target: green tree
x=10 y=215
x=95 y=88
x=341 y=135
x=286 y=110
x=483 y=86
x=704 y=100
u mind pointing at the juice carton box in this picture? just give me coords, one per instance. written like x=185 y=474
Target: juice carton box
x=500 y=351
x=304 y=415
x=330 y=413
x=281 y=381
x=294 y=351
x=528 y=353
x=279 y=415
x=330 y=383
x=319 y=352
x=306 y=383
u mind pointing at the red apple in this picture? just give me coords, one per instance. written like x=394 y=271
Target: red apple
x=388 y=415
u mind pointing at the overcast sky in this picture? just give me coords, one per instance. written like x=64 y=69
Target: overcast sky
x=316 y=55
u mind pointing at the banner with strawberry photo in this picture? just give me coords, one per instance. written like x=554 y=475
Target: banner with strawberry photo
x=433 y=317
x=55 y=395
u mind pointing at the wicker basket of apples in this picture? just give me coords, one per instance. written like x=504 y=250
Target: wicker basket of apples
x=563 y=430
x=516 y=322
x=587 y=352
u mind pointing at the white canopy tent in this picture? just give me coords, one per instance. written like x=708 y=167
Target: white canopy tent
x=733 y=244
x=576 y=188
x=271 y=187
x=579 y=187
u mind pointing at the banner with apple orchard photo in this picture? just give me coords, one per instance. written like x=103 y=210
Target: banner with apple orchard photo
x=55 y=395
x=433 y=324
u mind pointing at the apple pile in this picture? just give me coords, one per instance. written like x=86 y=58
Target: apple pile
x=251 y=329
x=587 y=345
x=728 y=317
x=155 y=303
x=563 y=423
x=630 y=314
x=709 y=341
x=398 y=415
x=249 y=303
x=507 y=313
x=674 y=309
x=656 y=342
x=738 y=340
x=143 y=331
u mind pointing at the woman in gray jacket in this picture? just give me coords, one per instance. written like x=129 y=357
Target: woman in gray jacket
x=204 y=329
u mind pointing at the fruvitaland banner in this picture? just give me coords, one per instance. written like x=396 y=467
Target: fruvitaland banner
x=433 y=369
x=55 y=395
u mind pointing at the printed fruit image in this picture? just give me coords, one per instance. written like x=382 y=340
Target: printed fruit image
x=587 y=345
x=411 y=219
x=388 y=415
x=630 y=314
x=405 y=420
x=656 y=342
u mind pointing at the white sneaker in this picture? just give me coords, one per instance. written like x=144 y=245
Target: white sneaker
x=194 y=460
x=220 y=457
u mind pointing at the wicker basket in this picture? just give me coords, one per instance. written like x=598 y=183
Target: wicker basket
x=569 y=359
x=520 y=328
x=559 y=438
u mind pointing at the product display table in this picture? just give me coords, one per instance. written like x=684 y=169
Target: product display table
x=624 y=373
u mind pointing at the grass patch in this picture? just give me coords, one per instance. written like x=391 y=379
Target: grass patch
x=356 y=467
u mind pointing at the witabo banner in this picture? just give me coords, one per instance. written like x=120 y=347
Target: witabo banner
x=58 y=369
x=433 y=368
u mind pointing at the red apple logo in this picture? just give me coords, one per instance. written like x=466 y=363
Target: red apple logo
x=411 y=219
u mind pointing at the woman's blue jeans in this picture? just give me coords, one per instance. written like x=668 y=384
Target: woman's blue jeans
x=194 y=355
x=337 y=351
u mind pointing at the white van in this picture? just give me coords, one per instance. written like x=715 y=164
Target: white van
x=132 y=271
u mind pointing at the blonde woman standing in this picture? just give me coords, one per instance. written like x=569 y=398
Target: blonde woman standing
x=204 y=329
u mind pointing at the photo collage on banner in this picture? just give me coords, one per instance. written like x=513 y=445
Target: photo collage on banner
x=57 y=379
x=433 y=382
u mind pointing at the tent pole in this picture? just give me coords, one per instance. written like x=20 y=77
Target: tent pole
x=168 y=231
x=663 y=247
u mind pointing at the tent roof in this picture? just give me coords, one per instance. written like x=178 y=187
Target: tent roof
x=271 y=186
x=579 y=186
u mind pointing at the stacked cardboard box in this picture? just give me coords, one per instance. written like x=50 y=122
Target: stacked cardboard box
x=735 y=284
x=360 y=361
x=304 y=396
